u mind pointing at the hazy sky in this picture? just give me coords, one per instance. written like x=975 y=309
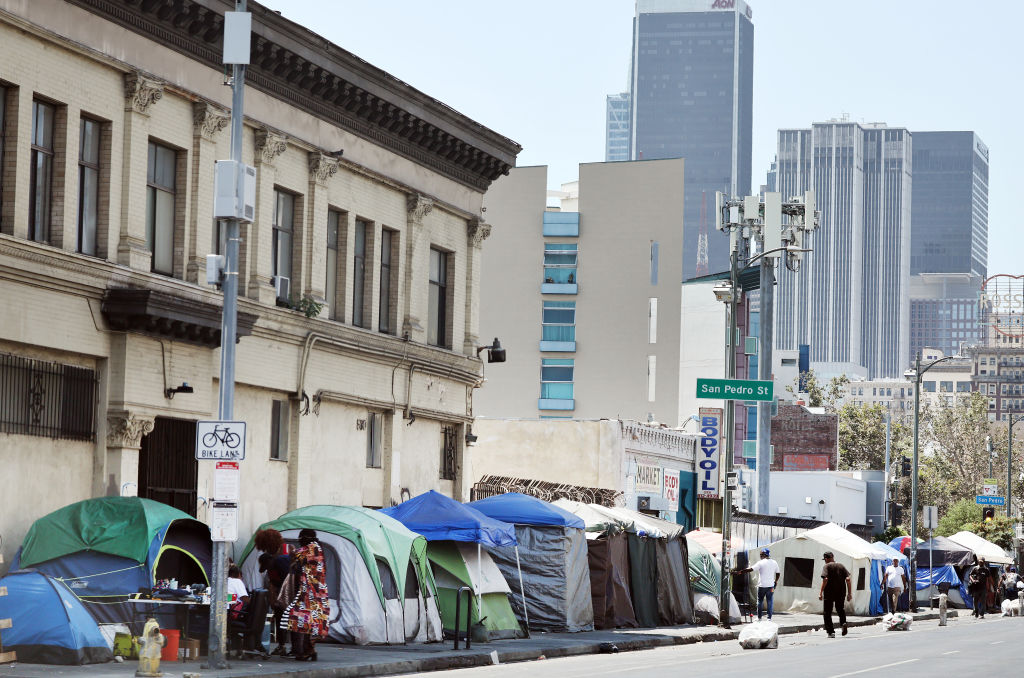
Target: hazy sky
x=538 y=72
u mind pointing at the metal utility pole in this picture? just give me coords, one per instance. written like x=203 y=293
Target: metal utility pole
x=885 y=478
x=1009 y=464
x=228 y=336
x=730 y=411
x=764 y=373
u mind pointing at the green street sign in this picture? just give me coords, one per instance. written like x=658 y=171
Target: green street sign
x=735 y=389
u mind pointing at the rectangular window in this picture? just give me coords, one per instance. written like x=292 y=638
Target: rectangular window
x=654 y=262
x=331 y=285
x=963 y=387
x=556 y=377
x=798 y=572
x=559 y=321
x=928 y=386
x=437 y=330
x=374 y=429
x=359 y=273
x=88 y=185
x=160 y=198
x=652 y=365
x=281 y=243
x=560 y=262
x=3 y=137
x=652 y=320
x=449 y=451
x=946 y=386
x=280 y=416
x=41 y=169
x=386 y=323
x=860 y=578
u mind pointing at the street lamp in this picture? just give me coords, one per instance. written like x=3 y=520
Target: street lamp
x=1009 y=460
x=918 y=373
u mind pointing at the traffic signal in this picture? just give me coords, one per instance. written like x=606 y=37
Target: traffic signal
x=905 y=467
x=989 y=513
x=897 y=513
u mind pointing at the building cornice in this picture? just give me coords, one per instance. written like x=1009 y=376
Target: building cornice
x=309 y=72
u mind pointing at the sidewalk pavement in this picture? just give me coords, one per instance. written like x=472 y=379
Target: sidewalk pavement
x=349 y=661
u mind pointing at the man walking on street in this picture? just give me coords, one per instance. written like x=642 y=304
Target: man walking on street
x=895 y=583
x=835 y=582
x=767 y=579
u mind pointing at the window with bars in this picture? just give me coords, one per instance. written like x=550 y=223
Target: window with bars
x=449 y=451
x=88 y=185
x=160 y=198
x=49 y=400
x=44 y=118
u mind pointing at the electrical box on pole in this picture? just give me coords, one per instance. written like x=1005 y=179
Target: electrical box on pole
x=234 y=191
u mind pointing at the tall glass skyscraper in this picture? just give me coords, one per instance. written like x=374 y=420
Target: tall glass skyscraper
x=949 y=208
x=851 y=300
x=691 y=97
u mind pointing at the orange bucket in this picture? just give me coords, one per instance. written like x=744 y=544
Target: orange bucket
x=170 y=651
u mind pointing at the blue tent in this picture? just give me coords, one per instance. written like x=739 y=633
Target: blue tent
x=522 y=509
x=555 y=568
x=944 y=574
x=881 y=558
x=49 y=624
x=438 y=517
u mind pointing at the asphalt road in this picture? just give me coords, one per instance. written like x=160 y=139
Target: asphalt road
x=965 y=647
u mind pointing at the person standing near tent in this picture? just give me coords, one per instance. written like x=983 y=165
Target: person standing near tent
x=895 y=583
x=768 y=573
x=1008 y=583
x=307 y=612
x=835 y=581
x=276 y=563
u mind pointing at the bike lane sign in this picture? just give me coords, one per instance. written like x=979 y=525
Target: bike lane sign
x=220 y=440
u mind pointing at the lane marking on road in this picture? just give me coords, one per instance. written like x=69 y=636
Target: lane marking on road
x=874 y=668
x=951 y=652
x=996 y=642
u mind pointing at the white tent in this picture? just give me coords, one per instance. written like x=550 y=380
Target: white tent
x=982 y=548
x=801 y=562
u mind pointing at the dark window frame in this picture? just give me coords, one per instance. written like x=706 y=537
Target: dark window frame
x=280 y=418
x=41 y=232
x=361 y=242
x=85 y=166
x=47 y=399
x=438 y=302
x=798 y=572
x=335 y=228
x=280 y=232
x=386 y=320
x=449 y=451
x=374 y=439
x=152 y=187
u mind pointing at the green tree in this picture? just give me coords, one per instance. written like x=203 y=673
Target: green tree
x=999 y=531
x=953 y=436
x=818 y=395
x=862 y=437
x=960 y=516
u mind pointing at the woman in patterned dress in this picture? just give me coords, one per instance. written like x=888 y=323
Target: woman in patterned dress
x=307 y=613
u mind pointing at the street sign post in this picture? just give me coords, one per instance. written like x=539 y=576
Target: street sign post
x=735 y=389
x=218 y=440
x=931 y=517
x=986 y=500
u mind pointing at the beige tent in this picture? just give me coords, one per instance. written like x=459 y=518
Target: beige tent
x=982 y=548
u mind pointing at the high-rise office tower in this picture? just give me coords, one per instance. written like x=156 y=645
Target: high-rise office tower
x=949 y=207
x=616 y=142
x=851 y=301
x=691 y=97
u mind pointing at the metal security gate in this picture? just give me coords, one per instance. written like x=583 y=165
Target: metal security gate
x=168 y=469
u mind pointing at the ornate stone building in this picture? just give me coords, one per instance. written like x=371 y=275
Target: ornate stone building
x=368 y=197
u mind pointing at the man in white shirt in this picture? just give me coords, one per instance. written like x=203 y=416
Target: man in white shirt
x=895 y=583
x=767 y=578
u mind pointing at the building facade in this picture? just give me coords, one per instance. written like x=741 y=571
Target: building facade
x=586 y=296
x=691 y=96
x=944 y=311
x=358 y=276
x=949 y=208
x=851 y=303
x=804 y=439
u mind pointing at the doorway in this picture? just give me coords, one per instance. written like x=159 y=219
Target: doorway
x=168 y=470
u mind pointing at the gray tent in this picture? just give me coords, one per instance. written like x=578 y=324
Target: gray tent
x=553 y=558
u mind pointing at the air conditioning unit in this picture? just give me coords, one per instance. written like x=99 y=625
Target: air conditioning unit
x=282 y=286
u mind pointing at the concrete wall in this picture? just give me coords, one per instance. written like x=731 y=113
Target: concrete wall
x=584 y=453
x=845 y=498
x=624 y=207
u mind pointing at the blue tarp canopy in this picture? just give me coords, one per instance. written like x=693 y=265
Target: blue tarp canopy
x=522 y=509
x=881 y=557
x=48 y=623
x=927 y=576
x=438 y=517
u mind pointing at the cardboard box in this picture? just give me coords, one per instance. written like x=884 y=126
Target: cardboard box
x=188 y=649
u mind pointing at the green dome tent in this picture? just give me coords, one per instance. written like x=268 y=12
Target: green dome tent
x=379 y=581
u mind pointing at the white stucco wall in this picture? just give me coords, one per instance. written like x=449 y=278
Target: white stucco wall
x=845 y=498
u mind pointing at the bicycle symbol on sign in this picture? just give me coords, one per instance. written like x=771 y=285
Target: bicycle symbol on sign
x=225 y=436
